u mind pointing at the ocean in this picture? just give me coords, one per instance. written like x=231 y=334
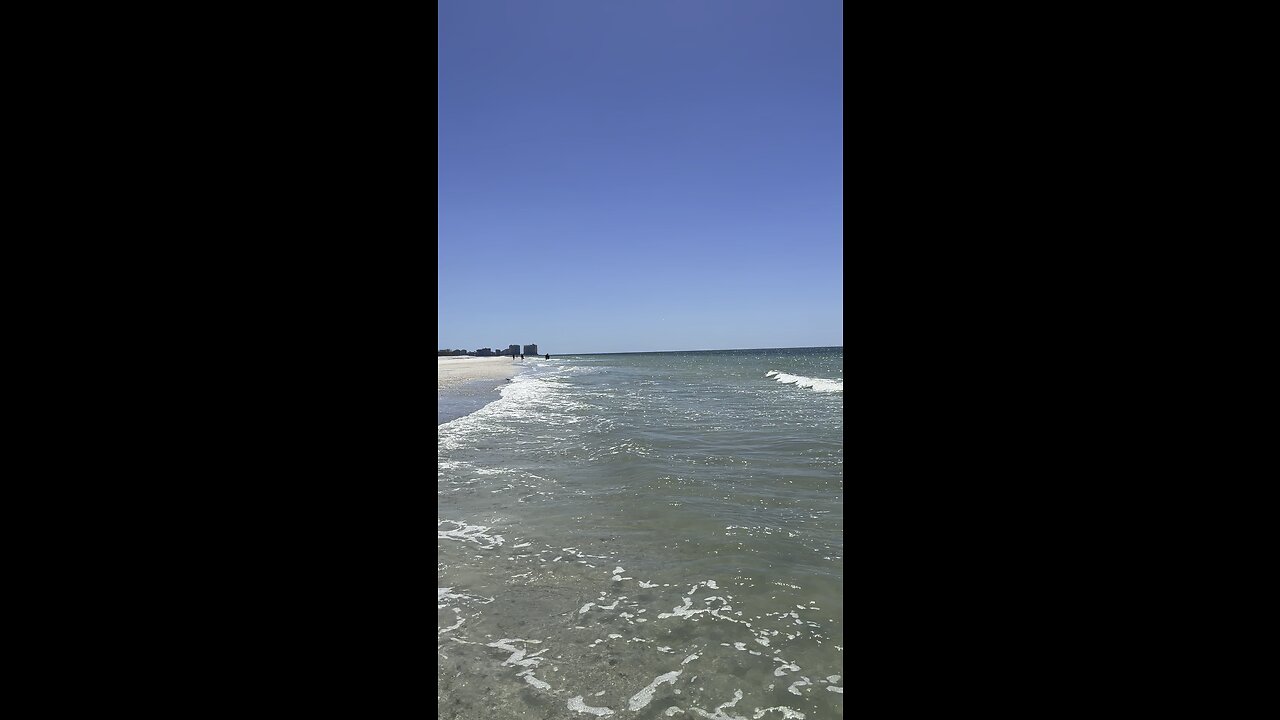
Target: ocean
x=645 y=535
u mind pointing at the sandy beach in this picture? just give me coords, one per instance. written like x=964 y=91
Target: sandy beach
x=458 y=369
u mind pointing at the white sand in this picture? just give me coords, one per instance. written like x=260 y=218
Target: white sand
x=460 y=368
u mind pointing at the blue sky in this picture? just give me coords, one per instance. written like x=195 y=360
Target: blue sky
x=636 y=176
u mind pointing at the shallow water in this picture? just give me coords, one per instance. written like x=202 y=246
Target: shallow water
x=465 y=398
x=649 y=535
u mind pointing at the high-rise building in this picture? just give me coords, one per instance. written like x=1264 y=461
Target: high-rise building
x=530 y=349
x=513 y=350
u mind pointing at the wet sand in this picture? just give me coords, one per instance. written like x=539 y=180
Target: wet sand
x=453 y=371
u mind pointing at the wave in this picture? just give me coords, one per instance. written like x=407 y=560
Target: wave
x=815 y=384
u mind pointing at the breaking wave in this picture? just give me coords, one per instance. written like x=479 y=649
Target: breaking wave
x=815 y=384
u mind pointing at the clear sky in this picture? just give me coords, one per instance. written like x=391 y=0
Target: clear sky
x=634 y=176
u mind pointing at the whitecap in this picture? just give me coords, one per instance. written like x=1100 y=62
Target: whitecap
x=815 y=384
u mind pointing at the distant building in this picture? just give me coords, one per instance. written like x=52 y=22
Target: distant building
x=484 y=352
x=513 y=350
x=530 y=349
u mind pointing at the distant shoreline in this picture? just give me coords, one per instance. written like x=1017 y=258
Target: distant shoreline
x=457 y=369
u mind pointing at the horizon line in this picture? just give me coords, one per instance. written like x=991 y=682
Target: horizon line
x=642 y=352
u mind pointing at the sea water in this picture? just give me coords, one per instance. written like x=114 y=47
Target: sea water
x=646 y=535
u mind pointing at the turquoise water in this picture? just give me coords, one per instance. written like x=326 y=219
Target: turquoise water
x=646 y=535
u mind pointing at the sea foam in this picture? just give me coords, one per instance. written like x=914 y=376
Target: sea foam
x=815 y=384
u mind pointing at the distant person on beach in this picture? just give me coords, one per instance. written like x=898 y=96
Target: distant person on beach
x=521 y=356
x=548 y=357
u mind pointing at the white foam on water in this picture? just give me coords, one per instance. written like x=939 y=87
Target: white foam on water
x=780 y=671
x=833 y=678
x=455 y=626
x=576 y=705
x=715 y=612
x=798 y=684
x=787 y=713
x=529 y=678
x=468 y=533
x=443 y=595
x=719 y=713
x=645 y=696
x=644 y=584
x=517 y=654
x=835 y=689
x=690 y=659
x=815 y=384
x=672 y=711
x=705 y=583
x=683 y=610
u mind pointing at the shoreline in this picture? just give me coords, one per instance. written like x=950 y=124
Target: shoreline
x=465 y=384
x=455 y=370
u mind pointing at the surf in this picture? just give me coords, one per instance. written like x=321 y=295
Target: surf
x=815 y=384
